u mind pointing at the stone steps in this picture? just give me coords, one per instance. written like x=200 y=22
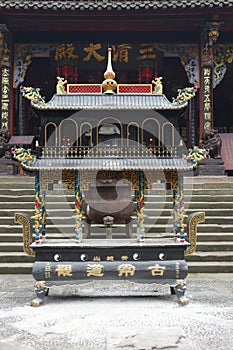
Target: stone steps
x=215 y=236
x=120 y=228
x=16 y=257
x=149 y=220
x=17 y=268
x=157 y=200
x=211 y=256
x=67 y=212
x=211 y=267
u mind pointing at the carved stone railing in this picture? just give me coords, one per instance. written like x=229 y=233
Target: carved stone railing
x=106 y=151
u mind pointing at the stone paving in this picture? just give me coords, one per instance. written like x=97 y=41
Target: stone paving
x=117 y=316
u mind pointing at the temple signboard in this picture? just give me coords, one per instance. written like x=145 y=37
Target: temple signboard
x=5 y=73
x=207 y=96
x=5 y=97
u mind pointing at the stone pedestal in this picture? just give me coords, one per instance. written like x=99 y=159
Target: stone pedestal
x=8 y=167
x=210 y=167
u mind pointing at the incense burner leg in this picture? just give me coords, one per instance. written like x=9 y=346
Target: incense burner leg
x=173 y=290
x=87 y=229
x=41 y=291
x=129 y=228
x=108 y=222
x=180 y=290
x=109 y=232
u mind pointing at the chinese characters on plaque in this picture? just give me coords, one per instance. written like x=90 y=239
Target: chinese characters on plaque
x=5 y=97
x=5 y=76
x=71 y=55
x=207 y=98
x=97 y=270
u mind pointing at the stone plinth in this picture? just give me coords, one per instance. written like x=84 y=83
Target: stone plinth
x=8 y=167
x=210 y=167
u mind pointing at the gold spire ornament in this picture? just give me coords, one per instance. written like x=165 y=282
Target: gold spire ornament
x=109 y=84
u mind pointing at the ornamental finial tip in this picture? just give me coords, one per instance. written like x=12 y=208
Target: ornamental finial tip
x=109 y=84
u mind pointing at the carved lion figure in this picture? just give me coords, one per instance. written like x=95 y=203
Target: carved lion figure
x=212 y=141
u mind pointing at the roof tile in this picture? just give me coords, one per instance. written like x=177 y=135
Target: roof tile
x=109 y=164
x=110 y=4
x=116 y=101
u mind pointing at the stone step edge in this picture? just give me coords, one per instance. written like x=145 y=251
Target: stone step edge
x=210 y=263
x=222 y=253
x=123 y=225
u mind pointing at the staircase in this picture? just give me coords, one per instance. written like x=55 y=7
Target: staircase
x=213 y=195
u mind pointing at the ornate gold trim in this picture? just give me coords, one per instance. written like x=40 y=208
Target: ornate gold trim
x=134 y=85
x=60 y=130
x=82 y=132
x=111 y=121
x=172 y=133
x=193 y=220
x=172 y=177
x=45 y=132
x=128 y=132
x=85 y=85
x=24 y=220
x=158 y=128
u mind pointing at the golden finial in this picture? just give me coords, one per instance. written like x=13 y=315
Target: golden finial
x=109 y=84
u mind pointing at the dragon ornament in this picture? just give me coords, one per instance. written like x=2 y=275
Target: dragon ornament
x=184 y=95
x=196 y=154
x=22 y=154
x=32 y=94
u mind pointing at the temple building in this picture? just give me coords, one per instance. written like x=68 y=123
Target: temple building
x=179 y=43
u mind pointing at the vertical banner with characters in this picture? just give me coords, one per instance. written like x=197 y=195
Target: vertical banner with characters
x=5 y=61
x=207 y=98
x=5 y=98
x=209 y=38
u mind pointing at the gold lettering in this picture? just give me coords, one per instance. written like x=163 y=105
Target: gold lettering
x=5 y=125
x=157 y=270
x=5 y=80
x=206 y=80
x=91 y=51
x=121 y=52
x=126 y=269
x=110 y=258
x=5 y=106
x=5 y=89
x=47 y=271
x=147 y=52
x=65 y=51
x=4 y=115
x=207 y=116
x=207 y=98
x=64 y=270
x=206 y=72
x=124 y=258
x=94 y=270
x=207 y=106
x=96 y=258
x=5 y=72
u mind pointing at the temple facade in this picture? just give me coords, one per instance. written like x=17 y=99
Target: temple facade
x=177 y=43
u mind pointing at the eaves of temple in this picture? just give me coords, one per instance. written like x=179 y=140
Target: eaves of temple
x=115 y=15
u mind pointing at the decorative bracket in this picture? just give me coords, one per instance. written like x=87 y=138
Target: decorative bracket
x=193 y=220
x=24 y=220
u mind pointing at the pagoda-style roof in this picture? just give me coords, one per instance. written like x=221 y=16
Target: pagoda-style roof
x=111 y=4
x=109 y=101
x=108 y=164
